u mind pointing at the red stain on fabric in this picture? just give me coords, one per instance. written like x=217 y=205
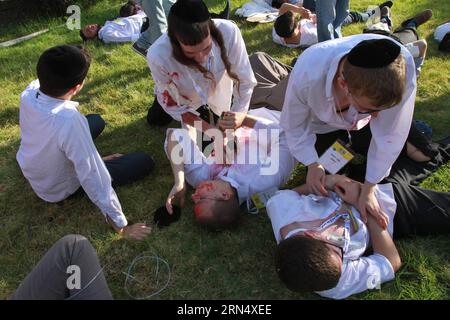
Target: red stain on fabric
x=168 y=100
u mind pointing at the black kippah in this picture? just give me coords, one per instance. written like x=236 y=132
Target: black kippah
x=65 y=66
x=191 y=11
x=374 y=53
x=162 y=217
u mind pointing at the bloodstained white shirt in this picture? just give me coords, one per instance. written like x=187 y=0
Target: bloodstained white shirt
x=247 y=175
x=179 y=88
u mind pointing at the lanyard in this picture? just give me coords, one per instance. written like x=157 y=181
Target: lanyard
x=349 y=220
x=346 y=239
x=348 y=131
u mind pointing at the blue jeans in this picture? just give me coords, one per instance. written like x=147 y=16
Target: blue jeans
x=330 y=16
x=157 y=12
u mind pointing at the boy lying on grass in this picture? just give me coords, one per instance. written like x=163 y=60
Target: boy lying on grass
x=222 y=184
x=322 y=241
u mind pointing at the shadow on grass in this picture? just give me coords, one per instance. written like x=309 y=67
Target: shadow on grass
x=9 y=116
x=434 y=111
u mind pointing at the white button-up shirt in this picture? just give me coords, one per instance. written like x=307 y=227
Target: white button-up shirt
x=122 y=29
x=308 y=37
x=57 y=154
x=359 y=272
x=309 y=107
x=180 y=88
x=271 y=166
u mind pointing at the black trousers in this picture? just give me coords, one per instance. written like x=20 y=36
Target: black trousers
x=127 y=168
x=156 y=116
x=419 y=211
x=404 y=35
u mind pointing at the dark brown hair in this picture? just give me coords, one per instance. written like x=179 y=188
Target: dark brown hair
x=128 y=9
x=192 y=34
x=383 y=86
x=285 y=24
x=305 y=265
x=223 y=214
x=61 y=68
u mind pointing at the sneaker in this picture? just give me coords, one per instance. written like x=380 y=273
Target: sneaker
x=385 y=4
x=419 y=18
x=385 y=12
x=423 y=17
x=424 y=128
x=139 y=50
x=385 y=15
x=444 y=45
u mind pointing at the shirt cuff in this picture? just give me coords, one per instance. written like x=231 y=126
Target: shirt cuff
x=387 y=272
x=306 y=155
x=119 y=219
x=375 y=177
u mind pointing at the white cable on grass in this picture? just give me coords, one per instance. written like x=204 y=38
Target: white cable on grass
x=10 y=43
x=128 y=274
x=20 y=39
x=86 y=286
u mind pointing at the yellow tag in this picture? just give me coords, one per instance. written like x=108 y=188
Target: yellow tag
x=335 y=157
x=353 y=220
x=119 y=21
x=257 y=201
x=339 y=148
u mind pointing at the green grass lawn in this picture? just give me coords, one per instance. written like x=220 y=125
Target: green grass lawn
x=234 y=264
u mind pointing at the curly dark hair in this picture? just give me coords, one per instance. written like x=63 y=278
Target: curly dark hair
x=305 y=265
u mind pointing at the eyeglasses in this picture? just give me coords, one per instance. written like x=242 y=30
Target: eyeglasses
x=359 y=105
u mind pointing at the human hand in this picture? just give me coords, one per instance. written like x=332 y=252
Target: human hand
x=231 y=120
x=137 y=231
x=346 y=188
x=315 y=179
x=176 y=196
x=368 y=204
x=305 y=13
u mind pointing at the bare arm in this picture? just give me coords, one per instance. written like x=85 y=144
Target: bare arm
x=285 y=7
x=330 y=181
x=303 y=189
x=175 y=155
x=382 y=243
x=250 y=121
x=137 y=231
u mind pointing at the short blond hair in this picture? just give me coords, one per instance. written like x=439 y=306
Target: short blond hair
x=383 y=86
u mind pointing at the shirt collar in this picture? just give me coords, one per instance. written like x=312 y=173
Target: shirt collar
x=52 y=102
